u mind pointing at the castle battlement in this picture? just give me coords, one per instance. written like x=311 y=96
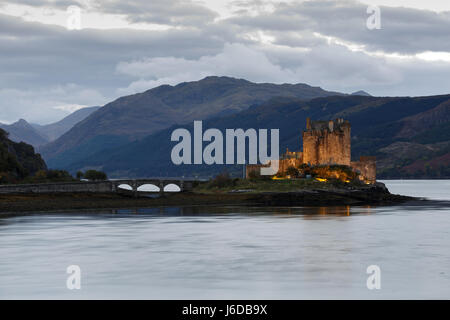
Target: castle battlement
x=337 y=125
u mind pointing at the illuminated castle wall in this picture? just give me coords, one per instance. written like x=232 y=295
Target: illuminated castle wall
x=326 y=143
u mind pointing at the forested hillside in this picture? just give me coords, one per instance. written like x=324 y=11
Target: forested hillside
x=17 y=160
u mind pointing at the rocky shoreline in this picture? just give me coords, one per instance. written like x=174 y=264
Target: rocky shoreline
x=371 y=195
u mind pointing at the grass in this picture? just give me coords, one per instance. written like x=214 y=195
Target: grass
x=263 y=185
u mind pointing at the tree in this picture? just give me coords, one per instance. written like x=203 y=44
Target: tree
x=292 y=172
x=80 y=175
x=254 y=174
x=50 y=176
x=95 y=175
x=303 y=170
x=222 y=180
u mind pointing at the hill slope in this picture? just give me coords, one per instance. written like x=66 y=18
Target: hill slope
x=39 y=135
x=54 y=130
x=361 y=93
x=135 y=116
x=409 y=136
x=17 y=160
x=23 y=131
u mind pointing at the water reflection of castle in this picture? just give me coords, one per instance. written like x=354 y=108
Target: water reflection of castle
x=326 y=143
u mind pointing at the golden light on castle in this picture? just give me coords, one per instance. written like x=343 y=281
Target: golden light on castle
x=326 y=151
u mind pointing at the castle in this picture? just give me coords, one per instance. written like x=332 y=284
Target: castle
x=326 y=143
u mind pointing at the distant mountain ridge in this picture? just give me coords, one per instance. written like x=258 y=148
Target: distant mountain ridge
x=130 y=137
x=136 y=116
x=361 y=93
x=380 y=127
x=54 y=130
x=39 y=135
x=22 y=131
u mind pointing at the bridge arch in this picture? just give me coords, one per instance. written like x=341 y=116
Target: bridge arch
x=152 y=185
x=172 y=187
x=149 y=187
x=125 y=186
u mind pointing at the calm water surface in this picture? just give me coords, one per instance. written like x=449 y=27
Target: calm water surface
x=233 y=252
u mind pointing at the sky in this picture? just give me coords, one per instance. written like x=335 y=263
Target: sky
x=51 y=65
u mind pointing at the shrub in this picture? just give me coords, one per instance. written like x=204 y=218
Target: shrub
x=339 y=172
x=304 y=169
x=79 y=175
x=292 y=172
x=254 y=174
x=280 y=174
x=7 y=177
x=95 y=175
x=58 y=175
x=49 y=176
x=223 y=180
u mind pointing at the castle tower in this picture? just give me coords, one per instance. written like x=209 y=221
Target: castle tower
x=327 y=142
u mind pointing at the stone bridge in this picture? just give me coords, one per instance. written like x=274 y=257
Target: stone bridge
x=161 y=183
x=100 y=186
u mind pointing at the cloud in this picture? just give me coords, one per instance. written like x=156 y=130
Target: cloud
x=167 y=12
x=404 y=30
x=37 y=58
x=45 y=106
x=70 y=107
x=170 y=12
x=324 y=43
x=330 y=66
x=235 y=60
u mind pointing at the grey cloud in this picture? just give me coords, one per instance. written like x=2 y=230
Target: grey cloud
x=45 y=105
x=36 y=58
x=167 y=12
x=332 y=67
x=170 y=12
x=48 y=3
x=54 y=53
x=46 y=66
x=404 y=30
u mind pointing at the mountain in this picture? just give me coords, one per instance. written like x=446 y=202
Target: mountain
x=23 y=131
x=409 y=136
x=54 y=130
x=39 y=135
x=361 y=93
x=17 y=160
x=136 y=116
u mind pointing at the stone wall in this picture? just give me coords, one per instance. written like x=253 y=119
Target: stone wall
x=286 y=163
x=310 y=150
x=100 y=186
x=367 y=168
x=327 y=142
x=93 y=186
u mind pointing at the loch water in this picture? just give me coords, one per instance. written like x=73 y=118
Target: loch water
x=232 y=252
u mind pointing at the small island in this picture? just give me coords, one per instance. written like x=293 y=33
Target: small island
x=237 y=192
x=321 y=175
